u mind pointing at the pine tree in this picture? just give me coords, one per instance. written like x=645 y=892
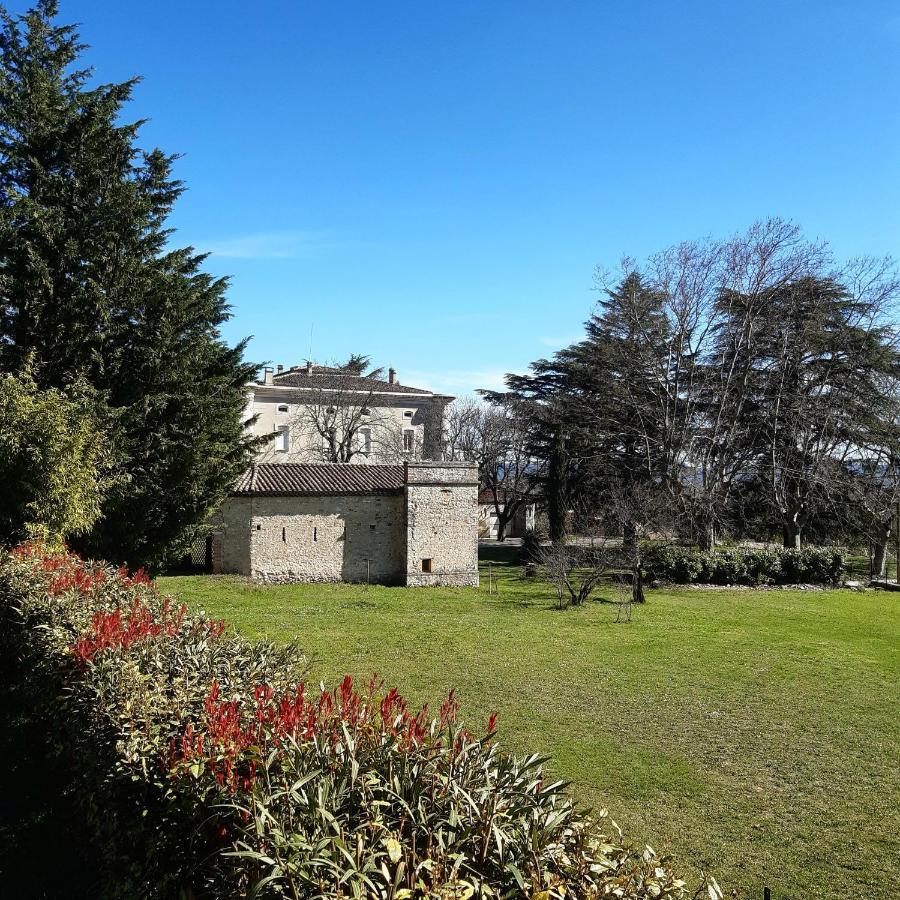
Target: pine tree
x=90 y=289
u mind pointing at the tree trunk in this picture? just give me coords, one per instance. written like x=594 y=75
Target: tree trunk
x=637 y=584
x=629 y=536
x=556 y=488
x=791 y=533
x=501 y=528
x=707 y=536
x=879 y=551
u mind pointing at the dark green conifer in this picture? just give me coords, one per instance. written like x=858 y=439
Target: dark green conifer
x=91 y=288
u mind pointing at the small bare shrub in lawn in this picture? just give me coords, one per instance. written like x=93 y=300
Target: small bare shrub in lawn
x=574 y=571
x=624 y=600
x=208 y=767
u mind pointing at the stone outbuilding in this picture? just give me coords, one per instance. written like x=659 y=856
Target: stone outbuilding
x=409 y=524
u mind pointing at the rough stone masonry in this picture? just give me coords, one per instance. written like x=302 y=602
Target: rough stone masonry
x=410 y=524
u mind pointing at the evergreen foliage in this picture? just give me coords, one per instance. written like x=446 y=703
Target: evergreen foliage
x=745 y=386
x=90 y=288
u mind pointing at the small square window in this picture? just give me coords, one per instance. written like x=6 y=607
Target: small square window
x=426 y=566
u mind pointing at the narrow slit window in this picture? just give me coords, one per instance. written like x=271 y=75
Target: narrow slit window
x=315 y=534
x=426 y=566
x=409 y=437
x=284 y=534
x=282 y=439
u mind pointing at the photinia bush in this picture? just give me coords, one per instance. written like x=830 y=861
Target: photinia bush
x=208 y=766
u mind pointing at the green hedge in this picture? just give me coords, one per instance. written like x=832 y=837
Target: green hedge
x=207 y=767
x=747 y=565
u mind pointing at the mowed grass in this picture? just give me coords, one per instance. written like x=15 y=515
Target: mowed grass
x=752 y=733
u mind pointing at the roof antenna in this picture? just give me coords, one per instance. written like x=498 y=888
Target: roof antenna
x=311 y=327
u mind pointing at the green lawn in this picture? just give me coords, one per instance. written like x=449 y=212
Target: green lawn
x=755 y=733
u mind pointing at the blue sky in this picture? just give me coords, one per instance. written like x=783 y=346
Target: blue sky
x=434 y=184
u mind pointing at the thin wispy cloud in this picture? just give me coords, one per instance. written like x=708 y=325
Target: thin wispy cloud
x=267 y=245
x=559 y=342
x=457 y=381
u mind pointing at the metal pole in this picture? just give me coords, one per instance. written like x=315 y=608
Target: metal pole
x=367 y=571
x=490 y=578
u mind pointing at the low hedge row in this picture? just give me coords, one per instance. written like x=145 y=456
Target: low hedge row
x=747 y=565
x=208 y=767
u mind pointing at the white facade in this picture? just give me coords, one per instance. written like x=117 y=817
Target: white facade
x=372 y=420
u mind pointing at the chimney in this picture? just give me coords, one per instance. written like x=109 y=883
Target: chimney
x=279 y=369
x=309 y=367
x=267 y=375
x=392 y=375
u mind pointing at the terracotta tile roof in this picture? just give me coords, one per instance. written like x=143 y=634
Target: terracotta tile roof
x=296 y=479
x=329 y=378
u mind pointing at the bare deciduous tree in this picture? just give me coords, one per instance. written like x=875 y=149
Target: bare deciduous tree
x=338 y=424
x=574 y=570
x=495 y=437
x=872 y=475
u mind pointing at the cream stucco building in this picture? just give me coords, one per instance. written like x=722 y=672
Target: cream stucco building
x=315 y=414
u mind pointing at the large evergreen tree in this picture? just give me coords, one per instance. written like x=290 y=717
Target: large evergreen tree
x=89 y=288
x=825 y=365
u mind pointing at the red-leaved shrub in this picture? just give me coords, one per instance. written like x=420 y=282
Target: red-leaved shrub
x=209 y=766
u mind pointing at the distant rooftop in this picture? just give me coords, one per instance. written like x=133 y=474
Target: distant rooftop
x=330 y=378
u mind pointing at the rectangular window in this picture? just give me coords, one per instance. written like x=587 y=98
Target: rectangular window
x=365 y=440
x=426 y=566
x=409 y=440
x=282 y=439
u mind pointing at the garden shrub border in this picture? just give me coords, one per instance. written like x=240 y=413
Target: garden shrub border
x=207 y=766
x=751 y=566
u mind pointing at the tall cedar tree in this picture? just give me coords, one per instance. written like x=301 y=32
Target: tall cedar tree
x=824 y=370
x=595 y=412
x=89 y=288
x=616 y=368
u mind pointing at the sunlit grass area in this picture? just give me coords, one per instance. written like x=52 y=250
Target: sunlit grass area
x=753 y=733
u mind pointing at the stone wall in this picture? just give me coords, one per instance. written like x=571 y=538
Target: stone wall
x=345 y=538
x=232 y=525
x=441 y=524
x=433 y=437
x=349 y=538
